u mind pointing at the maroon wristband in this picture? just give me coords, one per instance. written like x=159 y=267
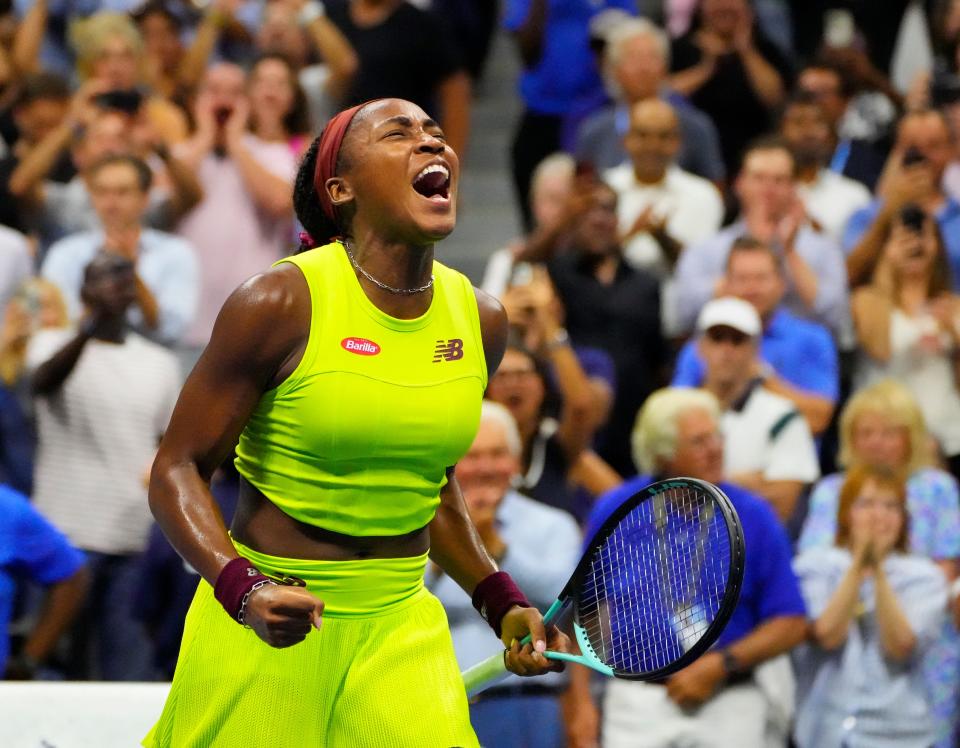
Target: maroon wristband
x=495 y=595
x=235 y=581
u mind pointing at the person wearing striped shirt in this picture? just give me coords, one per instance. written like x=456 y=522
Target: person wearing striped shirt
x=103 y=397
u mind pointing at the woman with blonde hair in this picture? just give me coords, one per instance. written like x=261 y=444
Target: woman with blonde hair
x=875 y=610
x=37 y=304
x=882 y=428
x=906 y=322
x=111 y=55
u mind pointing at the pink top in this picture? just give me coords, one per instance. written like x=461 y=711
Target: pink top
x=234 y=238
x=679 y=15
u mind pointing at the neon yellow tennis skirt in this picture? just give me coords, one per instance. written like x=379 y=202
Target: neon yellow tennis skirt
x=380 y=672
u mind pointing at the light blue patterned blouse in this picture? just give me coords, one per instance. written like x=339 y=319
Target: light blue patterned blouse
x=933 y=503
x=854 y=696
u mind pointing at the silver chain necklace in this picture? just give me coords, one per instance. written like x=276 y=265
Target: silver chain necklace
x=379 y=284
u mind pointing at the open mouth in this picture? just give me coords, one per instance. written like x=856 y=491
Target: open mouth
x=513 y=401
x=433 y=182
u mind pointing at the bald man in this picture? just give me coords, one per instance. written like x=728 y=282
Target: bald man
x=635 y=66
x=662 y=208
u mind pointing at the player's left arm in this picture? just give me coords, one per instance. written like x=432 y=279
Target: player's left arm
x=455 y=544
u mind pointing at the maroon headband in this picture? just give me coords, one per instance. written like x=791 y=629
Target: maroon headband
x=327 y=152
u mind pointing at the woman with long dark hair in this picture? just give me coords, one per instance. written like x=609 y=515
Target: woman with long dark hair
x=278 y=105
x=907 y=322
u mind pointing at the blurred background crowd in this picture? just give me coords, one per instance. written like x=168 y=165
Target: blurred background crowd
x=736 y=256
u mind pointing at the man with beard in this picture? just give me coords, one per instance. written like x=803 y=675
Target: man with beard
x=830 y=198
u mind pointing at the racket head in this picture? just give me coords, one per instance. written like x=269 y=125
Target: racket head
x=631 y=616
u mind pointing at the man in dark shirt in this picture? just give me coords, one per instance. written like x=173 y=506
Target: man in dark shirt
x=611 y=306
x=832 y=89
x=731 y=71
x=406 y=53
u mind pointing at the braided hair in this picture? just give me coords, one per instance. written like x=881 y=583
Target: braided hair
x=306 y=201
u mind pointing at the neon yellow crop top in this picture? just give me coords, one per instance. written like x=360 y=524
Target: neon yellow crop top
x=358 y=438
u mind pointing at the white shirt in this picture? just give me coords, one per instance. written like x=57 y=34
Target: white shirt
x=693 y=208
x=692 y=205
x=98 y=435
x=14 y=263
x=929 y=375
x=951 y=180
x=765 y=433
x=831 y=199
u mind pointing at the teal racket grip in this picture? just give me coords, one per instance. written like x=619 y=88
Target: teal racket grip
x=493 y=670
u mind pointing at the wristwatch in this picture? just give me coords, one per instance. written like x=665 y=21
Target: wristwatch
x=310 y=12
x=731 y=664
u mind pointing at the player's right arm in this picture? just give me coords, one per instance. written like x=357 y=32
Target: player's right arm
x=256 y=343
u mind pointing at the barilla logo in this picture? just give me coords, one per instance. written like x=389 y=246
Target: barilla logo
x=360 y=346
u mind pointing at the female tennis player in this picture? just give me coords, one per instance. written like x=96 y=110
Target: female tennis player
x=349 y=378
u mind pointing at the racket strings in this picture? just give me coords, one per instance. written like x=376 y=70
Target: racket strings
x=657 y=582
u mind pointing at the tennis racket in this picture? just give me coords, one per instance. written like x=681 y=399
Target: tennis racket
x=655 y=587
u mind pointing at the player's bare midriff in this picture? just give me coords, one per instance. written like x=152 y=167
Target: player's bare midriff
x=259 y=524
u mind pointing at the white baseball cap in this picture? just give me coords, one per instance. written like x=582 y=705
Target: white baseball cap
x=730 y=311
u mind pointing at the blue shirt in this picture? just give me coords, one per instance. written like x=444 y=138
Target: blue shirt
x=543 y=548
x=800 y=351
x=769 y=590
x=166 y=263
x=948 y=218
x=566 y=71
x=28 y=545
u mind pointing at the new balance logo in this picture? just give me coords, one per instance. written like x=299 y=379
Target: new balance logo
x=448 y=350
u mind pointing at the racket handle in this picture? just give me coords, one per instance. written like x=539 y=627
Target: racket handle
x=492 y=670
x=484 y=674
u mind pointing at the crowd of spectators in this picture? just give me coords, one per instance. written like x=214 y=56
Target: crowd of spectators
x=739 y=261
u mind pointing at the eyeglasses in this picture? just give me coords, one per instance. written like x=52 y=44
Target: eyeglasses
x=704 y=441
x=726 y=335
